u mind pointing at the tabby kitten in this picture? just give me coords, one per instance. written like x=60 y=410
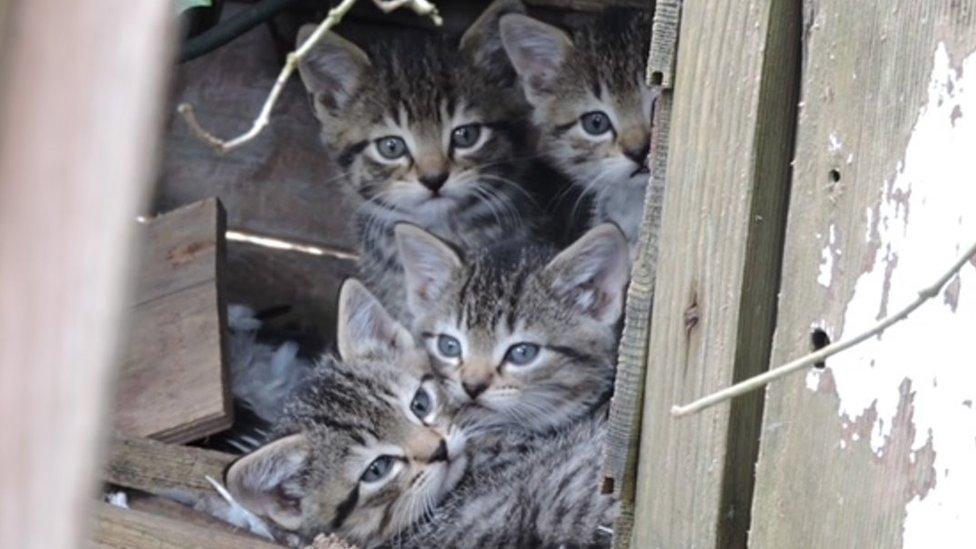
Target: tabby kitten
x=591 y=105
x=555 y=499
x=426 y=132
x=525 y=334
x=367 y=449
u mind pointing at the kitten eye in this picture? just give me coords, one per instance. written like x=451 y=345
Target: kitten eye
x=391 y=147
x=595 y=123
x=448 y=346
x=465 y=136
x=378 y=469
x=421 y=403
x=521 y=354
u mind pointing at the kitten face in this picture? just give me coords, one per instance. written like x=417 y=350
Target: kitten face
x=527 y=336
x=372 y=446
x=588 y=93
x=426 y=128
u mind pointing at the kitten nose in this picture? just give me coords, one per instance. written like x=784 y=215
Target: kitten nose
x=474 y=389
x=639 y=153
x=434 y=181
x=440 y=454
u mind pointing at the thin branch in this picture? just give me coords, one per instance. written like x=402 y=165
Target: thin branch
x=830 y=350
x=421 y=7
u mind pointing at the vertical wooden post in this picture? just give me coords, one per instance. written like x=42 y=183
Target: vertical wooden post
x=877 y=448
x=731 y=134
x=79 y=102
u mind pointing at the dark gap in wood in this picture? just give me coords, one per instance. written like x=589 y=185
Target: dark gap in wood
x=818 y=340
x=834 y=175
x=774 y=149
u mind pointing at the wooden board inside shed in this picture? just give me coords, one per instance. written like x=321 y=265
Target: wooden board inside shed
x=172 y=381
x=877 y=449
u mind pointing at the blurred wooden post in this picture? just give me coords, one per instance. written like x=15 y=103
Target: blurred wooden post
x=80 y=94
x=727 y=183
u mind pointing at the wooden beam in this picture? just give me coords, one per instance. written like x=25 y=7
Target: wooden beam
x=156 y=467
x=877 y=449
x=173 y=382
x=727 y=184
x=79 y=97
x=115 y=527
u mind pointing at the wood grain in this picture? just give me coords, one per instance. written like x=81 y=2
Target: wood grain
x=78 y=128
x=127 y=529
x=624 y=422
x=180 y=250
x=172 y=384
x=157 y=467
x=836 y=471
x=727 y=182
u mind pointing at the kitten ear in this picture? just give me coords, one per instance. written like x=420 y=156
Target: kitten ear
x=537 y=51
x=270 y=481
x=592 y=273
x=482 y=42
x=429 y=265
x=365 y=329
x=333 y=69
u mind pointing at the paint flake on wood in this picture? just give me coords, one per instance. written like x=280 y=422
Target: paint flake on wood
x=172 y=381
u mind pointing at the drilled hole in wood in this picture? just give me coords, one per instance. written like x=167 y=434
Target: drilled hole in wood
x=818 y=340
x=657 y=77
x=834 y=175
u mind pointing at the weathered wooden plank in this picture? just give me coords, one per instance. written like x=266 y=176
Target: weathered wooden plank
x=128 y=529
x=157 y=467
x=727 y=181
x=664 y=46
x=172 y=384
x=180 y=249
x=876 y=450
x=624 y=423
x=78 y=104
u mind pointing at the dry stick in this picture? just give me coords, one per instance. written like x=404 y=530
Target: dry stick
x=421 y=7
x=819 y=356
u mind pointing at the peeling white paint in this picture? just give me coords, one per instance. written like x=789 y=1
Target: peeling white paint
x=826 y=275
x=834 y=144
x=934 y=348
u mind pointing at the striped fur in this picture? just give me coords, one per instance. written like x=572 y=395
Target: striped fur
x=353 y=411
x=518 y=292
x=545 y=494
x=421 y=90
x=598 y=68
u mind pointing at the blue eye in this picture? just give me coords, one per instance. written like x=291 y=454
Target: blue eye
x=448 y=346
x=596 y=123
x=378 y=469
x=421 y=403
x=391 y=147
x=521 y=354
x=465 y=136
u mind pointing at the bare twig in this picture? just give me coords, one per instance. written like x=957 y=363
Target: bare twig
x=422 y=7
x=822 y=354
